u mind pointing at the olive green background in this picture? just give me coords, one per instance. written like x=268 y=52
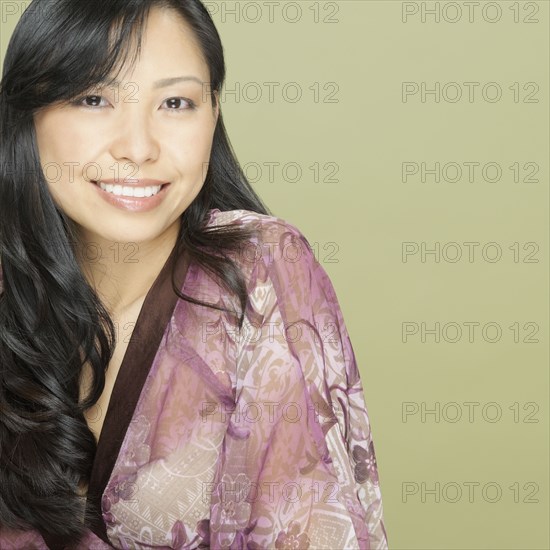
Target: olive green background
x=360 y=130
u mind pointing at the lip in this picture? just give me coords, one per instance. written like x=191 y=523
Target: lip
x=133 y=204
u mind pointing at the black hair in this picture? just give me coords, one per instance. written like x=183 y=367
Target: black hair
x=51 y=319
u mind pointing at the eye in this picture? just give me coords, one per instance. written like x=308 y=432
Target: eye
x=175 y=104
x=94 y=101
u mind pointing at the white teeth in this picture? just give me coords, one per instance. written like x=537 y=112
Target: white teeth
x=130 y=191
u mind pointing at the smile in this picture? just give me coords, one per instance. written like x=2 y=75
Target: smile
x=132 y=198
x=130 y=191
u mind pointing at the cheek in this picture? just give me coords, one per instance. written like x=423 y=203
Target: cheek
x=192 y=150
x=64 y=149
x=203 y=140
x=59 y=141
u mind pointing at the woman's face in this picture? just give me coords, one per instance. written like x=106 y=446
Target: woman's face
x=143 y=128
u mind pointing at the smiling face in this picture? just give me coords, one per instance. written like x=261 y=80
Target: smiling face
x=150 y=126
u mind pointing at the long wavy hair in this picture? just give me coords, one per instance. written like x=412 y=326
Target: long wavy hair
x=51 y=320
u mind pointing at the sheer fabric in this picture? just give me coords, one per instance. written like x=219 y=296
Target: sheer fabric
x=245 y=439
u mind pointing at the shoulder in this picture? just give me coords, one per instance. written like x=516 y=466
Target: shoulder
x=269 y=225
x=275 y=239
x=279 y=261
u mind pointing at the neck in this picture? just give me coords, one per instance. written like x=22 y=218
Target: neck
x=122 y=273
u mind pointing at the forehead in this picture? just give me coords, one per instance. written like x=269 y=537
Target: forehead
x=168 y=46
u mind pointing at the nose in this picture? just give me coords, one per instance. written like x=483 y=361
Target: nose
x=133 y=140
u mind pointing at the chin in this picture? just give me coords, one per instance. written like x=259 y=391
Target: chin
x=121 y=239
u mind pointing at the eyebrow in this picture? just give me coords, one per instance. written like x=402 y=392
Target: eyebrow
x=163 y=83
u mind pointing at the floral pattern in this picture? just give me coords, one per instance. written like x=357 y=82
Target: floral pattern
x=120 y=487
x=365 y=467
x=292 y=539
x=231 y=512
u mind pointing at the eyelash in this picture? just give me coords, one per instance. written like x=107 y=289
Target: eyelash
x=79 y=103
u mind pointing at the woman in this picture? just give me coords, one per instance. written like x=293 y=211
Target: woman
x=176 y=371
